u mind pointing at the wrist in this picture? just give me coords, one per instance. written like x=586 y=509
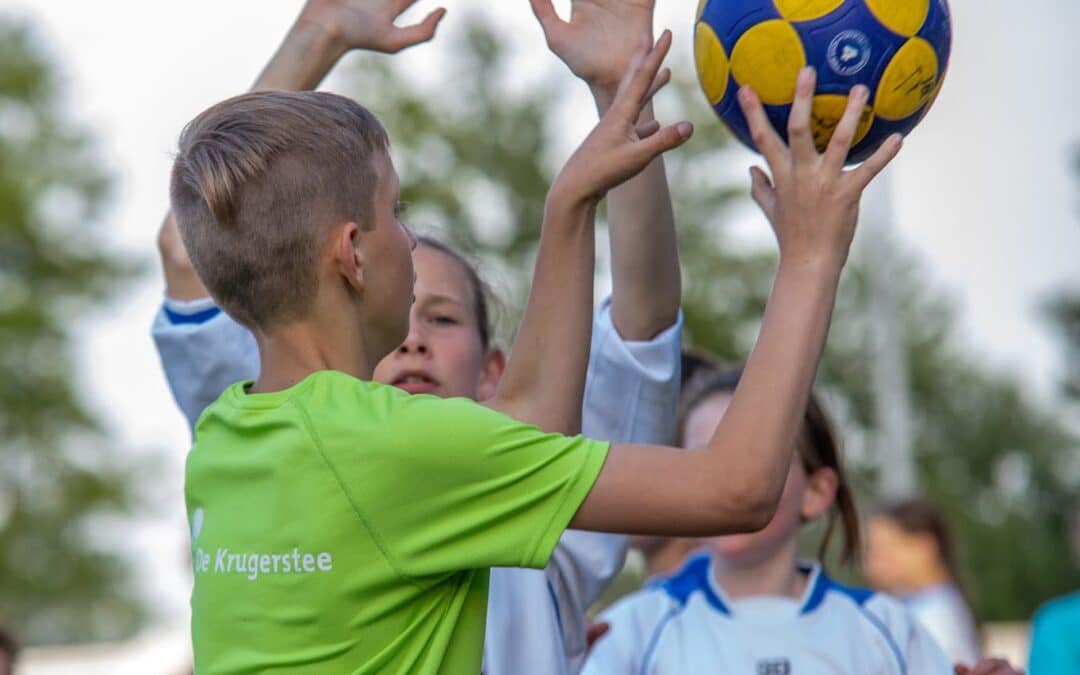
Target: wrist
x=565 y=204
x=319 y=36
x=823 y=267
x=603 y=95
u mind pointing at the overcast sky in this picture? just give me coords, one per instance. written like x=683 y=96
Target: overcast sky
x=983 y=191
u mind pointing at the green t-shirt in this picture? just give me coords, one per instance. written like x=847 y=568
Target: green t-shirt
x=343 y=526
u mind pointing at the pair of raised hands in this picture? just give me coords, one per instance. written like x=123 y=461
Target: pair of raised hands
x=810 y=200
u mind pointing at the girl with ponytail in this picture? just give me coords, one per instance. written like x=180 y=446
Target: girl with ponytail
x=746 y=603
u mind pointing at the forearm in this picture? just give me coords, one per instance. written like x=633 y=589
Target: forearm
x=545 y=377
x=752 y=447
x=734 y=484
x=181 y=281
x=303 y=59
x=646 y=280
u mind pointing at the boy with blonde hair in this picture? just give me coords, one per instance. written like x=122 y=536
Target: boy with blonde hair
x=340 y=524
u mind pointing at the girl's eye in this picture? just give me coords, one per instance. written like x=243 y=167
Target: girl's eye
x=400 y=208
x=444 y=320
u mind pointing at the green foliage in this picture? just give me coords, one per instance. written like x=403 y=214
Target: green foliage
x=58 y=475
x=474 y=159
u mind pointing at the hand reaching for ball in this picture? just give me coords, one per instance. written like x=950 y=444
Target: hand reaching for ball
x=618 y=149
x=810 y=200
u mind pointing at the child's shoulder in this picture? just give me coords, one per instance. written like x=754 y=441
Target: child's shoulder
x=883 y=612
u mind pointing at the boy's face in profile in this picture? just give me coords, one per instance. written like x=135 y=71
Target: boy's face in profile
x=385 y=249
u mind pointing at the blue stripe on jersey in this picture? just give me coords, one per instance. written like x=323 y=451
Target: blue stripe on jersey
x=897 y=654
x=176 y=318
x=555 y=604
x=655 y=639
x=823 y=584
x=694 y=576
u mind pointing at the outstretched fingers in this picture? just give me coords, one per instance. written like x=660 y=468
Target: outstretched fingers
x=844 y=135
x=654 y=144
x=765 y=138
x=408 y=36
x=763 y=191
x=800 y=135
x=877 y=162
x=549 y=19
x=641 y=78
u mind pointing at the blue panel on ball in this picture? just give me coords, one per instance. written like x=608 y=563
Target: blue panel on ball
x=938 y=32
x=848 y=46
x=879 y=131
x=729 y=19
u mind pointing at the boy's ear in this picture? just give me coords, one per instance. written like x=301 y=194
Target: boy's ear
x=348 y=254
x=491 y=373
x=820 y=493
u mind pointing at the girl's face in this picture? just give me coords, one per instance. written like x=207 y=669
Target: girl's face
x=894 y=557
x=442 y=354
x=804 y=497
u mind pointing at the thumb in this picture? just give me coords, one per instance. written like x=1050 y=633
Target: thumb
x=409 y=36
x=668 y=138
x=763 y=192
x=545 y=13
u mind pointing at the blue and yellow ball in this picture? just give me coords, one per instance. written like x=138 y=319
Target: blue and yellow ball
x=897 y=48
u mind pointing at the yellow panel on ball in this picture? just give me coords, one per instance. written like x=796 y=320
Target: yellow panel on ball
x=712 y=63
x=826 y=114
x=908 y=81
x=905 y=17
x=768 y=57
x=933 y=97
x=806 y=10
x=700 y=9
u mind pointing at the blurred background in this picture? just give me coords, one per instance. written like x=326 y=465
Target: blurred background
x=953 y=364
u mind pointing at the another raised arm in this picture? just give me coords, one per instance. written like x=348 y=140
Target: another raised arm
x=735 y=483
x=324 y=32
x=545 y=377
x=597 y=44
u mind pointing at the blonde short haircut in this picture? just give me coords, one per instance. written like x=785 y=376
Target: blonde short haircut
x=258 y=181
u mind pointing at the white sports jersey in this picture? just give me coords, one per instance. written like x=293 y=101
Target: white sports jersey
x=687 y=624
x=942 y=611
x=536 y=618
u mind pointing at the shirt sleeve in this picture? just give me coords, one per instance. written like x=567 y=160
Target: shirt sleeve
x=631 y=394
x=1054 y=648
x=912 y=642
x=461 y=486
x=634 y=621
x=202 y=351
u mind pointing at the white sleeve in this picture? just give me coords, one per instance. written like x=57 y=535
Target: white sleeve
x=917 y=648
x=202 y=351
x=633 y=621
x=537 y=619
x=631 y=396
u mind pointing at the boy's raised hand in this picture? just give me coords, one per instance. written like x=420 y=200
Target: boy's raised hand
x=811 y=201
x=618 y=149
x=600 y=38
x=369 y=24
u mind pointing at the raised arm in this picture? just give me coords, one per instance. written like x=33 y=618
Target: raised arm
x=324 y=32
x=597 y=44
x=735 y=483
x=545 y=377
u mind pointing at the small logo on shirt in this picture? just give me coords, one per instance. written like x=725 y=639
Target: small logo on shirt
x=774 y=667
x=197 y=523
x=254 y=565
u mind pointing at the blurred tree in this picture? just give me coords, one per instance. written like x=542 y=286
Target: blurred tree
x=1063 y=310
x=59 y=481
x=476 y=156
